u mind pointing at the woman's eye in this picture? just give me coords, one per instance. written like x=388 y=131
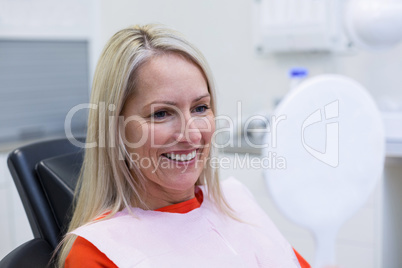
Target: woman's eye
x=201 y=109
x=160 y=115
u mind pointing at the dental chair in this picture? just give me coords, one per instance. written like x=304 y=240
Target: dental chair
x=45 y=174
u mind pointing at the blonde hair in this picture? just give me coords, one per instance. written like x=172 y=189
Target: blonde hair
x=106 y=183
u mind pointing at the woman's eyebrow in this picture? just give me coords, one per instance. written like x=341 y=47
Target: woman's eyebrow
x=160 y=102
x=174 y=103
x=201 y=97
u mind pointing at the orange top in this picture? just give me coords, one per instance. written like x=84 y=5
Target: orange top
x=84 y=254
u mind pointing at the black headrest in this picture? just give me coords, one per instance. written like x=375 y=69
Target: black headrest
x=59 y=176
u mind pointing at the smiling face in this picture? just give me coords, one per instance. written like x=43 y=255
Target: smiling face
x=169 y=126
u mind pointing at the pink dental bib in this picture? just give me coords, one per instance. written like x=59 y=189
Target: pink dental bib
x=202 y=237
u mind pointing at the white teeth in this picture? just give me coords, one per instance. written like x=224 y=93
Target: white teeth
x=181 y=157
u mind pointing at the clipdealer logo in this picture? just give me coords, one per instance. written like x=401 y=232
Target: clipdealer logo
x=328 y=114
x=330 y=155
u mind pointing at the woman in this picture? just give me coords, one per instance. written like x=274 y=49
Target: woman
x=148 y=194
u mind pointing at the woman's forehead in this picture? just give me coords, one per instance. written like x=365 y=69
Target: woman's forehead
x=168 y=78
x=170 y=74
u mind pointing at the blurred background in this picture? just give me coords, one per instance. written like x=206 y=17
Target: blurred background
x=49 y=49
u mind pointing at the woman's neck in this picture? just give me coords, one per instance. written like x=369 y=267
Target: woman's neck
x=158 y=199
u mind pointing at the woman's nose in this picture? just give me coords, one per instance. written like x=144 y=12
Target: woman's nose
x=190 y=131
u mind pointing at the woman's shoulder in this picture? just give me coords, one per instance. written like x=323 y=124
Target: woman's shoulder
x=85 y=254
x=233 y=184
x=235 y=192
x=246 y=207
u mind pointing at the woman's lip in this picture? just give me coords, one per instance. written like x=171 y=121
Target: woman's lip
x=182 y=152
x=184 y=163
x=187 y=156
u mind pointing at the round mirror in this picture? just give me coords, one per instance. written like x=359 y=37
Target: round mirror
x=328 y=133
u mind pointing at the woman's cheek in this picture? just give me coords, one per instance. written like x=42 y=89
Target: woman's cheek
x=159 y=134
x=136 y=135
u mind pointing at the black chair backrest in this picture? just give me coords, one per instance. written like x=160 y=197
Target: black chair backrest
x=58 y=176
x=45 y=174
